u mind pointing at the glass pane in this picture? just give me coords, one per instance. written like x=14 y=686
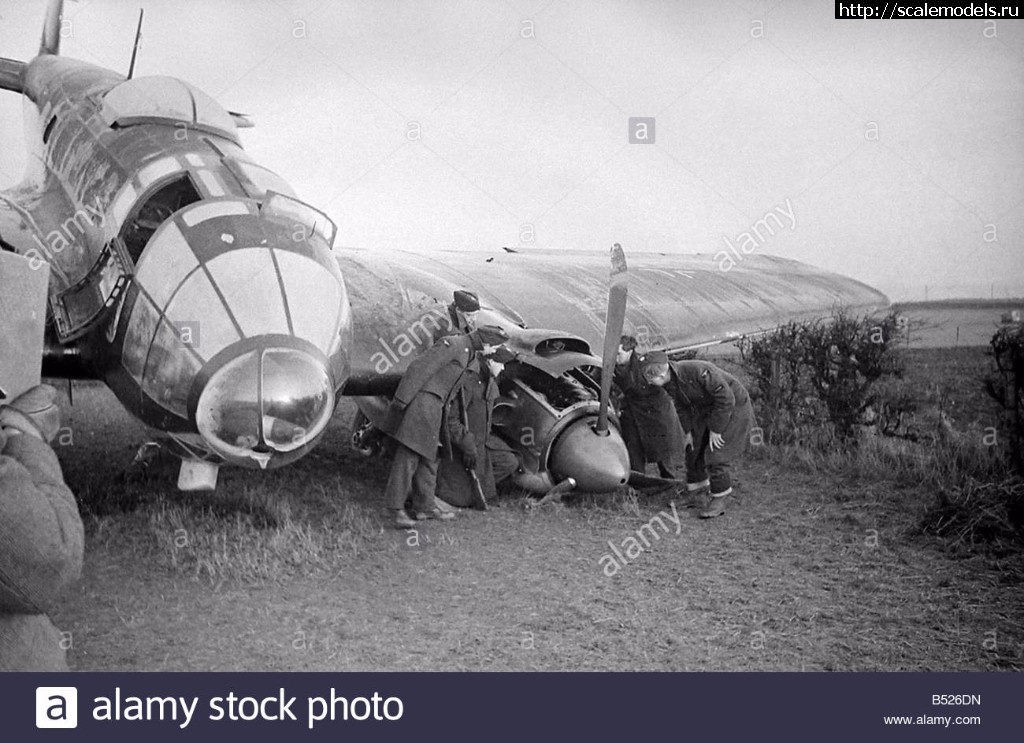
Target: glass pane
x=297 y=399
x=263 y=180
x=137 y=338
x=170 y=369
x=209 y=113
x=248 y=280
x=84 y=301
x=165 y=98
x=314 y=298
x=197 y=306
x=228 y=415
x=162 y=97
x=167 y=260
x=123 y=204
x=294 y=212
x=210 y=182
x=158 y=170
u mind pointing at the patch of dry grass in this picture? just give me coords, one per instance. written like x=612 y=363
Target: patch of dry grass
x=989 y=514
x=299 y=570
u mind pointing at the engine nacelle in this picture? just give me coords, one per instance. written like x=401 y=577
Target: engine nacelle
x=551 y=422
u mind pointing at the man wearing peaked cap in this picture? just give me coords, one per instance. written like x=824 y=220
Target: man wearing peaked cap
x=417 y=420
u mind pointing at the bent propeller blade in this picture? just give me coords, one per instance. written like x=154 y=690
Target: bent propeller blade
x=615 y=318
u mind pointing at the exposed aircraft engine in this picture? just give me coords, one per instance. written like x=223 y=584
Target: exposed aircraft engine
x=551 y=420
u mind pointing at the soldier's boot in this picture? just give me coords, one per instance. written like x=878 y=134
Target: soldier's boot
x=716 y=505
x=402 y=520
x=435 y=513
x=697 y=493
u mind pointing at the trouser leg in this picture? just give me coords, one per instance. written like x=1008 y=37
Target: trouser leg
x=696 y=466
x=634 y=445
x=721 y=482
x=400 y=480
x=721 y=486
x=424 y=483
x=504 y=463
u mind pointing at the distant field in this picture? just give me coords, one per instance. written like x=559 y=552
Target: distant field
x=952 y=323
x=944 y=324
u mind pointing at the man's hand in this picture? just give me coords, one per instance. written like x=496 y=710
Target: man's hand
x=16 y=422
x=33 y=412
x=715 y=441
x=467 y=448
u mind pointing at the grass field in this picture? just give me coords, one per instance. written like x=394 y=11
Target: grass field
x=298 y=569
x=952 y=324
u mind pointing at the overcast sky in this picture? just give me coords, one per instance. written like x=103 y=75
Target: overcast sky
x=896 y=145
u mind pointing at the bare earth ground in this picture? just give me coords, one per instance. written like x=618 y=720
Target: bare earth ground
x=297 y=570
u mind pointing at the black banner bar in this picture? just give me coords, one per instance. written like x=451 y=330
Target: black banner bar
x=496 y=707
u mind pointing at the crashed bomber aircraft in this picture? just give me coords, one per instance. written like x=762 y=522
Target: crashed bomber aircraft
x=208 y=298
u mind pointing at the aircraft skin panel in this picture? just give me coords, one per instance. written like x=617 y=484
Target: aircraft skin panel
x=675 y=301
x=30 y=222
x=62 y=211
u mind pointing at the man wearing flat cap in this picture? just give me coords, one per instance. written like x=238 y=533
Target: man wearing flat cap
x=417 y=420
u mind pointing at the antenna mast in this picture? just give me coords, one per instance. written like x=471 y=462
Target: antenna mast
x=135 y=47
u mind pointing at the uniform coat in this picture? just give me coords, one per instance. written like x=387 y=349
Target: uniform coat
x=649 y=423
x=477 y=392
x=41 y=545
x=416 y=417
x=709 y=399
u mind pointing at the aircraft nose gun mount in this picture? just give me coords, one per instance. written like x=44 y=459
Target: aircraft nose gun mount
x=264 y=404
x=184 y=275
x=251 y=328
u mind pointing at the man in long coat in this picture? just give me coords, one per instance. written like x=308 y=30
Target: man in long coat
x=714 y=408
x=417 y=420
x=469 y=429
x=41 y=536
x=650 y=427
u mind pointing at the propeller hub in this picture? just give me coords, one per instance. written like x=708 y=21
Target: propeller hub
x=597 y=460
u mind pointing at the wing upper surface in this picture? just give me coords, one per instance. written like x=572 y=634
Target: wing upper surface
x=675 y=301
